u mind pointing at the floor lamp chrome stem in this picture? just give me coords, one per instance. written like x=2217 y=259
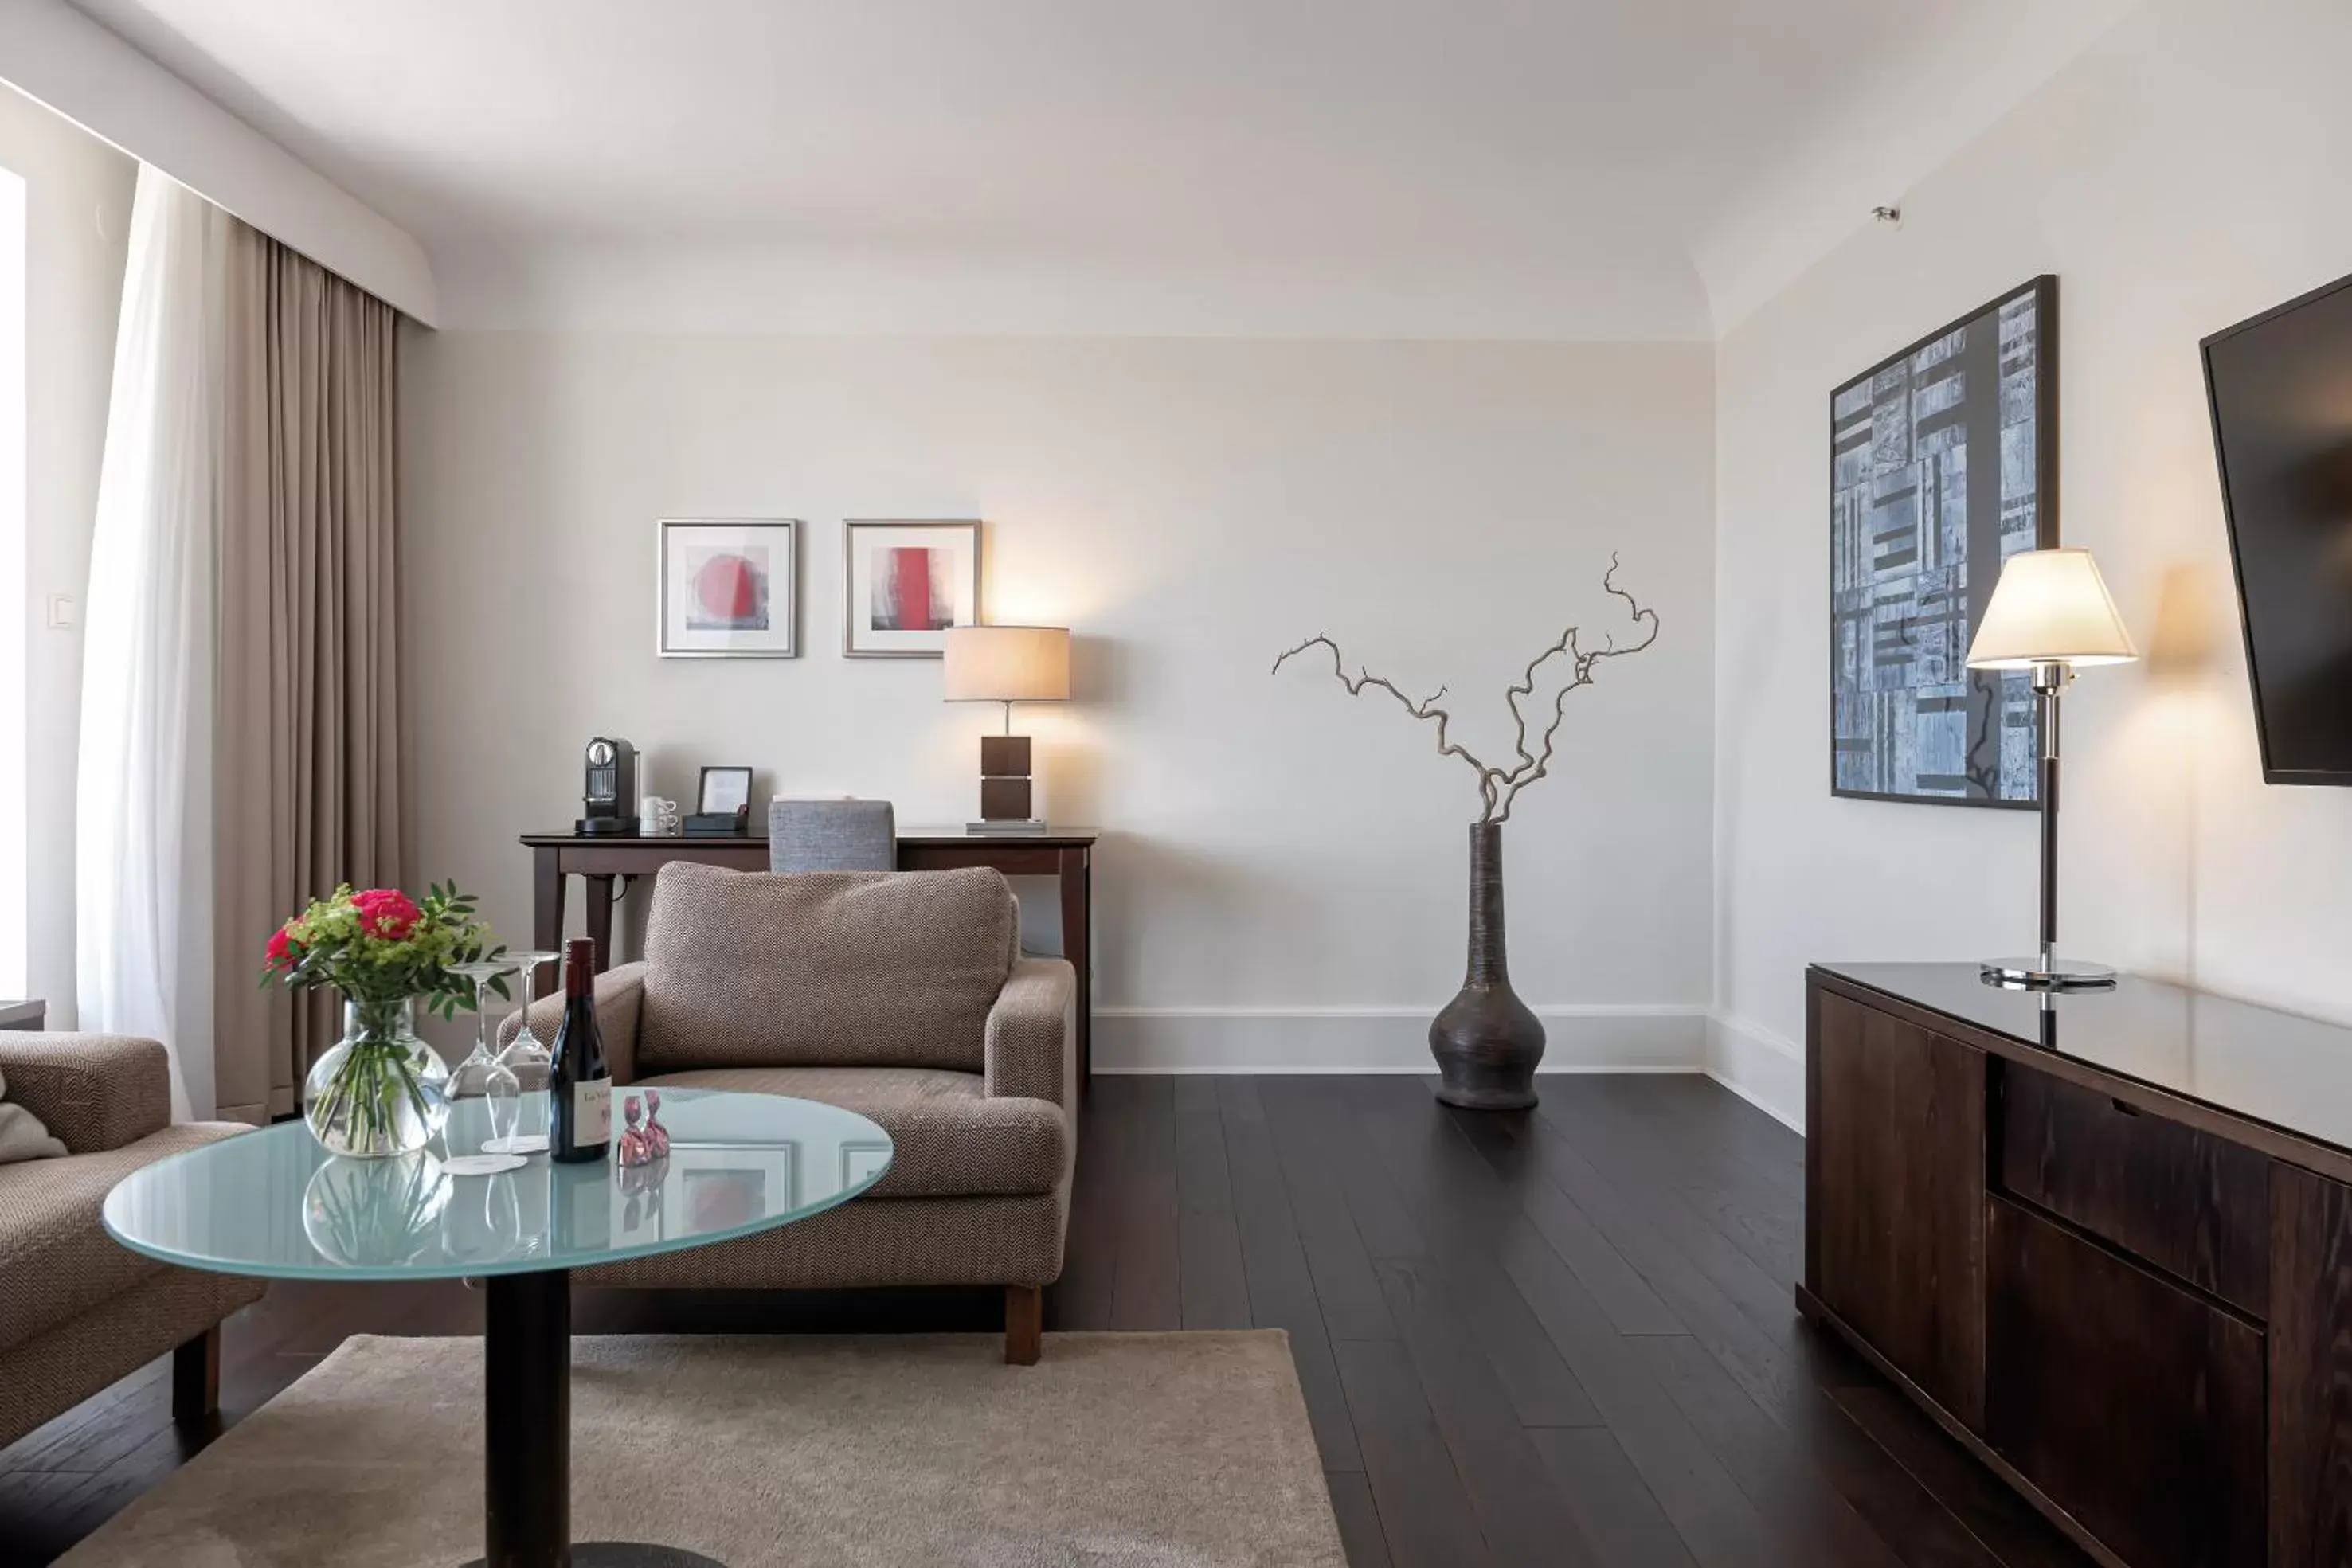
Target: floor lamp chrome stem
x=2048 y=682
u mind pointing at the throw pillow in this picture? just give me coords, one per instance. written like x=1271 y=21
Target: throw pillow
x=22 y=1136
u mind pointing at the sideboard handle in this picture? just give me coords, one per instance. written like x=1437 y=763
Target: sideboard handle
x=2124 y=1110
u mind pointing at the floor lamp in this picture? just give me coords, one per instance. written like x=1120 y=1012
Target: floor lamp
x=2051 y=613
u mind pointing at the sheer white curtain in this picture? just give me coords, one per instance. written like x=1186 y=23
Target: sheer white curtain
x=144 y=857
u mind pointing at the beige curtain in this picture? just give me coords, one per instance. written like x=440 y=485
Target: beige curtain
x=306 y=754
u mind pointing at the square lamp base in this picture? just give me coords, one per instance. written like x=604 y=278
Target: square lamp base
x=1005 y=786
x=2046 y=973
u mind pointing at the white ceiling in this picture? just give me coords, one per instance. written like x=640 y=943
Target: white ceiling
x=1352 y=167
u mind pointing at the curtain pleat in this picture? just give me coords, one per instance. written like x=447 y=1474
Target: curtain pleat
x=307 y=769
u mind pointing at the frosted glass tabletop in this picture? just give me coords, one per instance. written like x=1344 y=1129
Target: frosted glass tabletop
x=274 y=1203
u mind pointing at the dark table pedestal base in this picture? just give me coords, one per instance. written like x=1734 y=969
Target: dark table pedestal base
x=627 y=1554
x=527 y=1431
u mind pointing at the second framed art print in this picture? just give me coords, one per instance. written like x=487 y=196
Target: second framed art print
x=729 y=588
x=907 y=583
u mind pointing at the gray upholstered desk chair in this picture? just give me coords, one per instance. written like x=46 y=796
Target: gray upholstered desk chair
x=837 y=835
x=832 y=835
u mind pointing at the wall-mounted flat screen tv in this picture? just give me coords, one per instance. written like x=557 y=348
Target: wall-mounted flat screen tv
x=2280 y=389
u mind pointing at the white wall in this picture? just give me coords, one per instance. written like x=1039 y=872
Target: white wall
x=1284 y=881
x=2184 y=173
x=77 y=219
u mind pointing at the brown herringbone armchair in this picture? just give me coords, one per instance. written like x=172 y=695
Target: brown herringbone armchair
x=901 y=995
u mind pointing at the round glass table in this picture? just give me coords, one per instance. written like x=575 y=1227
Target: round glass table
x=275 y=1204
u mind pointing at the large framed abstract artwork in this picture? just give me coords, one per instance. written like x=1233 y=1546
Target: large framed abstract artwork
x=1943 y=464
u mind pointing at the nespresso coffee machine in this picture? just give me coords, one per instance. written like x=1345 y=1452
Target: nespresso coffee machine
x=610 y=797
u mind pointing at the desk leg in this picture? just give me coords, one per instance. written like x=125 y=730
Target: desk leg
x=1078 y=947
x=546 y=900
x=599 y=918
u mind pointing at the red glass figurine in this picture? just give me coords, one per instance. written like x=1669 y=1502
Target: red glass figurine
x=634 y=1149
x=656 y=1135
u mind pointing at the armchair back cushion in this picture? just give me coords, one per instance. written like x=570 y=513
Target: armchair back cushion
x=93 y=1091
x=823 y=969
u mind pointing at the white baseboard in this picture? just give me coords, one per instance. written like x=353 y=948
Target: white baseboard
x=1589 y=1039
x=1760 y=1066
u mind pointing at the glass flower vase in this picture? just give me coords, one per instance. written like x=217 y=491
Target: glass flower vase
x=382 y=1091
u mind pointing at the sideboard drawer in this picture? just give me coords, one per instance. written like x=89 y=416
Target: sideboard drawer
x=2195 y=1206
x=2136 y=1406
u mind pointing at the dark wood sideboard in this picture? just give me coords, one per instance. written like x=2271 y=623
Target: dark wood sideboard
x=2106 y=1239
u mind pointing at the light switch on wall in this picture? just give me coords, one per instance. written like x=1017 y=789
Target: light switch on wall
x=64 y=612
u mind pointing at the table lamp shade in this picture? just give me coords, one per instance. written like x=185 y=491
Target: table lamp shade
x=2051 y=607
x=1008 y=663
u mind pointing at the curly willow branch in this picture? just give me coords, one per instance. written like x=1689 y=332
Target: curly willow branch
x=1499 y=787
x=1489 y=779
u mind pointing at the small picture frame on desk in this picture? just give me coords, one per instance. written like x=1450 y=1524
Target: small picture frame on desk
x=727 y=789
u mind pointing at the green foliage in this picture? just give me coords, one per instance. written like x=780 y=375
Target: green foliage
x=380 y=947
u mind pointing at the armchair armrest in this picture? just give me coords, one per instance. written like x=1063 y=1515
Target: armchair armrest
x=1032 y=1041
x=619 y=994
x=93 y=1091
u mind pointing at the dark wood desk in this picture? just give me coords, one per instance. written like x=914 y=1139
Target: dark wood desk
x=1066 y=854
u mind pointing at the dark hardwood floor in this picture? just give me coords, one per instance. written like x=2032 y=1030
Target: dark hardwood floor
x=1558 y=1338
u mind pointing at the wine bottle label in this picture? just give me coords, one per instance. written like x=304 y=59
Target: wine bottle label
x=592 y=1112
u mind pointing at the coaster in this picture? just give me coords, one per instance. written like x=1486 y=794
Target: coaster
x=483 y=1164
x=530 y=1145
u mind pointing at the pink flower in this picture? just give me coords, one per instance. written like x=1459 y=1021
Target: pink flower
x=283 y=952
x=386 y=912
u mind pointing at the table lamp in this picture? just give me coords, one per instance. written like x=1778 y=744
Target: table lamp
x=1007 y=665
x=2050 y=613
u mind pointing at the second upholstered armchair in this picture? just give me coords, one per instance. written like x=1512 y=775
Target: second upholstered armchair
x=903 y=996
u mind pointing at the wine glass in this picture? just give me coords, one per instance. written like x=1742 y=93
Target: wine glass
x=466 y=1080
x=483 y=1094
x=527 y=1059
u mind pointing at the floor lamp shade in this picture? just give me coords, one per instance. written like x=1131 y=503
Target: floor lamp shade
x=2050 y=612
x=1007 y=665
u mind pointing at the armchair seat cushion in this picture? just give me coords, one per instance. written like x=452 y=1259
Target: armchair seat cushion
x=57 y=1260
x=952 y=1138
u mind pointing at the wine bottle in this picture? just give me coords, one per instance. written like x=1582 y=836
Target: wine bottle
x=580 y=1086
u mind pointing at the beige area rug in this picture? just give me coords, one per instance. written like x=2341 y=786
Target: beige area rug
x=1168 y=1450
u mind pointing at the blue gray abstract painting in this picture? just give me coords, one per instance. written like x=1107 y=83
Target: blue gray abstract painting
x=1938 y=468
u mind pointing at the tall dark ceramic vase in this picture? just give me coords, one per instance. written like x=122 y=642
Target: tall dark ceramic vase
x=1486 y=1041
